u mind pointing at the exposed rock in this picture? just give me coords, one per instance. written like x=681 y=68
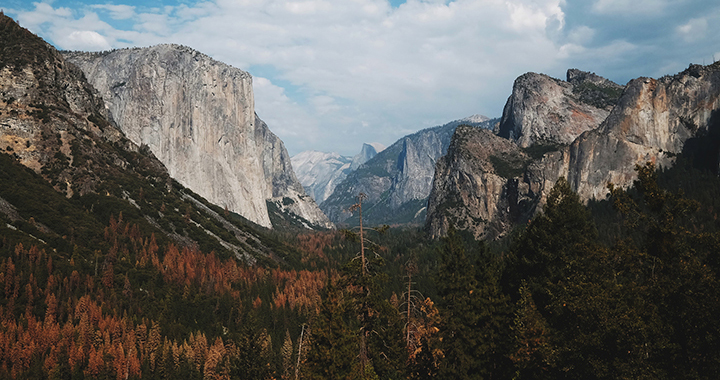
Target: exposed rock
x=654 y=120
x=544 y=110
x=197 y=116
x=54 y=122
x=320 y=172
x=398 y=180
x=367 y=152
x=468 y=190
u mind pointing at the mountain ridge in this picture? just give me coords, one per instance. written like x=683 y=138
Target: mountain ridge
x=653 y=120
x=319 y=172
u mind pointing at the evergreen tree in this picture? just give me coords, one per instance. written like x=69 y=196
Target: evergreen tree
x=681 y=276
x=333 y=344
x=474 y=313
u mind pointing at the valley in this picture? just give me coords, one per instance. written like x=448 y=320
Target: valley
x=152 y=226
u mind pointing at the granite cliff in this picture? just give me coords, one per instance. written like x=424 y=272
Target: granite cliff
x=545 y=110
x=653 y=120
x=67 y=170
x=197 y=116
x=397 y=180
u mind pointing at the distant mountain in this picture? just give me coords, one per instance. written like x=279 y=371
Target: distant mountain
x=487 y=183
x=397 y=180
x=367 y=152
x=197 y=116
x=320 y=172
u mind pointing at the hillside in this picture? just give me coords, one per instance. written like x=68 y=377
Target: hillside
x=110 y=267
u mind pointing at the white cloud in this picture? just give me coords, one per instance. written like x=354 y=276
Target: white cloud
x=285 y=117
x=117 y=12
x=87 y=40
x=694 y=30
x=363 y=68
x=43 y=13
x=581 y=35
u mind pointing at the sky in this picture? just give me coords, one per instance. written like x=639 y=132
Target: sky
x=329 y=75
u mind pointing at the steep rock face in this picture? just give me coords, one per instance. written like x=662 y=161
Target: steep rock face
x=197 y=116
x=653 y=121
x=367 y=152
x=469 y=191
x=53 y=122
x=398 y=180
x=544 y=110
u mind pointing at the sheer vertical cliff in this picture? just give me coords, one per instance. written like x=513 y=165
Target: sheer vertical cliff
x=197 y=116
x=653 y=120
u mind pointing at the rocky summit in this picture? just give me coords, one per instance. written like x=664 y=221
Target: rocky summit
x=197 y=116
x=545 y=110
x=486 y=186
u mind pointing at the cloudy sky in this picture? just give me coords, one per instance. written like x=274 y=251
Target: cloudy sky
x=331 y=74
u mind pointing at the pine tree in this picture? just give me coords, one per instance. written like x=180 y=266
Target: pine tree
x=333 y=344
x=474 y=313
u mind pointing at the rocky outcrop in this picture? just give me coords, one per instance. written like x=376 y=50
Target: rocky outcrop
x=53 y=122
x=544 y=110
x=197 y=116
x=471 y=189
x=398 y=180
x=654 y=120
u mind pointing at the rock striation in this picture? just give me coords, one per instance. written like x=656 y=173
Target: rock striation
x=486 y=190
x=545 y=110
x=398 y=180
x=197 y=116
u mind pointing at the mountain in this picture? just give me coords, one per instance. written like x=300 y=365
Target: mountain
x=82 y=170
x=197 y=116
x=110 y=267
x=545 y=110
x=397 y=180
x=487 y=191
x=367 y=152
x=320 y=172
